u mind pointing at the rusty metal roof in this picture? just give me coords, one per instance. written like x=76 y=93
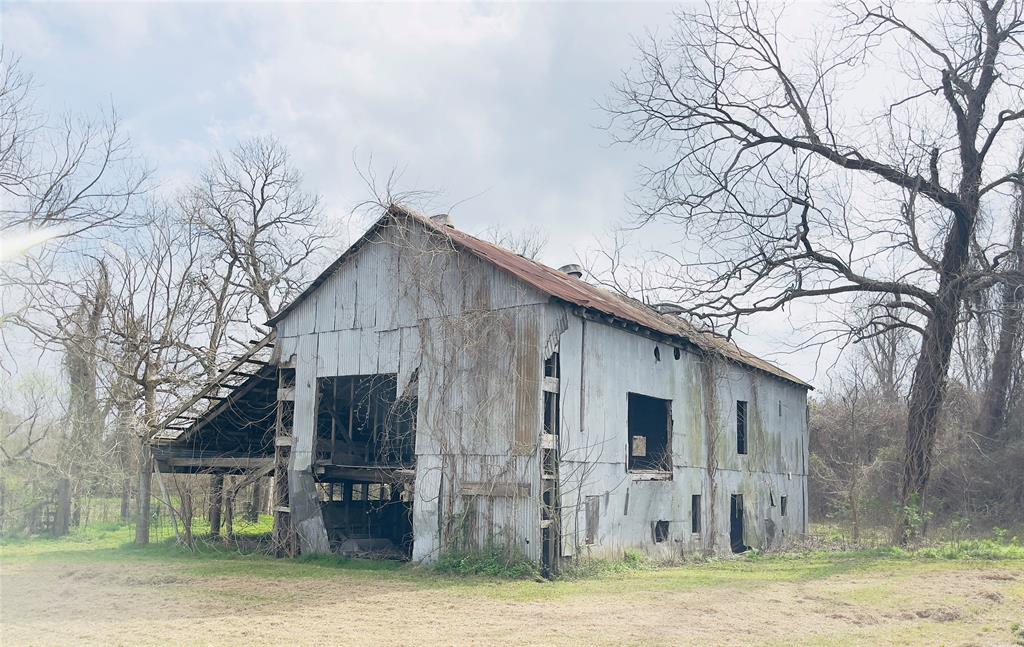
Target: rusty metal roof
x=569 y=289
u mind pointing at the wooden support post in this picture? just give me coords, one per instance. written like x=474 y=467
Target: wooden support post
x=143 y=498
x=216 y=503
x=334 y=418
x=166 y=500
x=285 y=537
x=229 y=512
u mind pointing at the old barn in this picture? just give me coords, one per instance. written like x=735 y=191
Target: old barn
x=431 y=391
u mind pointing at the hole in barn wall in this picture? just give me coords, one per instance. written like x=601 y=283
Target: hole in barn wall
x=551 y=365
x=736 y=524
x=677 y=353
x=783 y=500
x=660 y=531
x=649 y=422
x=741 y=427
x=695 y=513
x=657 y=354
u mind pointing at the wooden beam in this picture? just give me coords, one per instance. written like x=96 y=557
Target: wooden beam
x=473 y=488
x=231 y=462
x=365 y=473
x=268 y=340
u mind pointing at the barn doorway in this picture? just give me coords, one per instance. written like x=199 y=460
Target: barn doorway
x=365 y=463
x=736 y=524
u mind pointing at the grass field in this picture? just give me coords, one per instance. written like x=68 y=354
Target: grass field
x=94 y=588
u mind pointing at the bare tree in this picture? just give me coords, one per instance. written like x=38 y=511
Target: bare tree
x=1010 y=321
x=810 y=193
x=154 y=325
x=528 y=243
x=59 y=178
x=263 y=226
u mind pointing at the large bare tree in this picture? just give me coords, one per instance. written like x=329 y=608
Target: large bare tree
x=827 y=165
x=262 y=225
x=154 y=323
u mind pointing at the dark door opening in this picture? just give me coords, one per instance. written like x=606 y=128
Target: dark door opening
x=365 y=463
x=736 y=524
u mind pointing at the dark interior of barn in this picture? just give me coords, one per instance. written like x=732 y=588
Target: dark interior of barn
x=365 y=464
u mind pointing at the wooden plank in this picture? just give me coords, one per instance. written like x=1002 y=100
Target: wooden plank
x=365 y=473
x=215 y=382
x=223 y=461
x=500 y=489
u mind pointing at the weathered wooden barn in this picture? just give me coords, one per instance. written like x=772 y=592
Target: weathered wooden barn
x=431 y=391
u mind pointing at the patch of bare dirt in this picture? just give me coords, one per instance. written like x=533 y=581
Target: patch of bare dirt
x=51 y=604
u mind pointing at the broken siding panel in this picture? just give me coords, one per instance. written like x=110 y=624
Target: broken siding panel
x=287 y=347
x=527 y=378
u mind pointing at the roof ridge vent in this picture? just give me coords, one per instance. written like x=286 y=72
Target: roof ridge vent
x=666 y=308
x=573 y=270
x=442 y=220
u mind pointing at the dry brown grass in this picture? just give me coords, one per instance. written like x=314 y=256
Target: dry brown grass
x=83 y=601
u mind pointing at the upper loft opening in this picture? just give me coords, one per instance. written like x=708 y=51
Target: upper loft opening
x=650 y=432
x=361 y=421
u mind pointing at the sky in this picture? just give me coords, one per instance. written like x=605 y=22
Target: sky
x=496 y=107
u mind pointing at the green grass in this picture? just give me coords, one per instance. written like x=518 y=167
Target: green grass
x=492 y=574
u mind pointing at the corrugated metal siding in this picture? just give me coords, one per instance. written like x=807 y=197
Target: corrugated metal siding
x=609 y=363
x=410 y=306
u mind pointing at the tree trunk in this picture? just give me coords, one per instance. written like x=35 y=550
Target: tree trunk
x=62 y=515
x=186 y=517
x=928 y=389
x=229 y=512
x=1011 y=329
x=926 y=396
x=252 y=513
x=126 y=499
x=146 y=465
x=216 y=498
x=142 y=514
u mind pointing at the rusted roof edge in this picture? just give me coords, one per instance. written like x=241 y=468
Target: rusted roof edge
x=562 y=287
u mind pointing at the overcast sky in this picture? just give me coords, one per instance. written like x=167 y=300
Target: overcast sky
x=495 y=106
